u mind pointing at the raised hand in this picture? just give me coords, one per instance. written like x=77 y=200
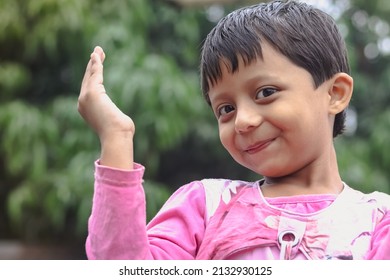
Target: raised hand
x=114 y=128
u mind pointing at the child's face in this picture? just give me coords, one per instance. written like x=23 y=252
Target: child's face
x=271 y=118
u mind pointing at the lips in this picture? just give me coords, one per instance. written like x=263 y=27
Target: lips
x=259 y=146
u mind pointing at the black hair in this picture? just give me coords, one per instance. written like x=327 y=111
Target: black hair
x=304 y=34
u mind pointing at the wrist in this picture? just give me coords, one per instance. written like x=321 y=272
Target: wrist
x=117 y=150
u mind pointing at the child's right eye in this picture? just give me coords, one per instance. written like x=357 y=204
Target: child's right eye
x=226 y=109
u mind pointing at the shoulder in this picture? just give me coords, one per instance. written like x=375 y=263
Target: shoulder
x=222 y=190
x=381 y=199
x=224 y=187
x=207 y=194
x=378 y=200
x=219 y=188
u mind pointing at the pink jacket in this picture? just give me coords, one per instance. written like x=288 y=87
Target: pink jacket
x=224 y=219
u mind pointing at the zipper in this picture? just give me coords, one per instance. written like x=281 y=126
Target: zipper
x=287 y=240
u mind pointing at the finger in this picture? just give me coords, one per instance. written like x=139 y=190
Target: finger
x=96 y=64
x=87 y=74
x=96 y=72
x=93 y=77
x=99 y=59
x=98 y=50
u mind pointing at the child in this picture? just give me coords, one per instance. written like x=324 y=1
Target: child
x=276 y=76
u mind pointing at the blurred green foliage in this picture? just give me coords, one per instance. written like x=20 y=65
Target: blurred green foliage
x=47 y=151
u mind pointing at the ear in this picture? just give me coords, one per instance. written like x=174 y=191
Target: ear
x=340 y=92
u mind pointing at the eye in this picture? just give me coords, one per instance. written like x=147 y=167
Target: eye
x=225 y=109
x=265 y=92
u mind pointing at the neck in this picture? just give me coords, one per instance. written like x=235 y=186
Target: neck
x=320 y=176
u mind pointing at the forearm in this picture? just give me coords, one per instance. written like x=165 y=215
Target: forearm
x=117 y=225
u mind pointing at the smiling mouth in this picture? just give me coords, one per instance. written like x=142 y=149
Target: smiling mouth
x=258 y=146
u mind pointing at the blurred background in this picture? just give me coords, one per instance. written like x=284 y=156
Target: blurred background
x=151 y=71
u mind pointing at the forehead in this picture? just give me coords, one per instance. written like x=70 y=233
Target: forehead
x=272 y=68
x=269 y=60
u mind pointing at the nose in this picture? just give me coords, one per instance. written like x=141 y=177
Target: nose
x=247 y=118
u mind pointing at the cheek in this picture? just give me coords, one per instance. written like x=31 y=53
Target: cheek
x=294 y=117
x=226 y=138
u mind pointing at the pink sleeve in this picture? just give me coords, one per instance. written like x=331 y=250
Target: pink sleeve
x=117 y=226
x=380 y=241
